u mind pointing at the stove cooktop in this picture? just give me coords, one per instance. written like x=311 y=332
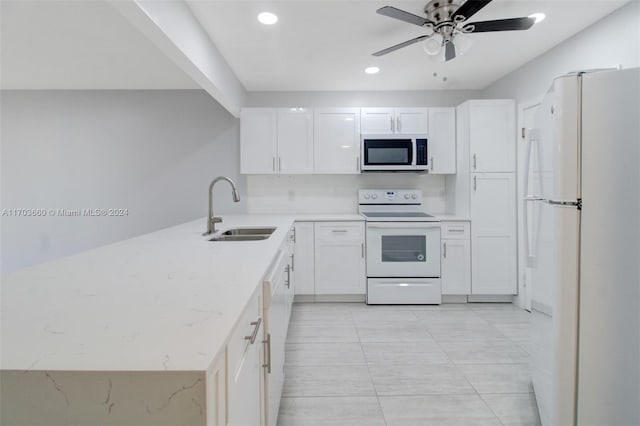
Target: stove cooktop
x=397 y=214
x=398 y=217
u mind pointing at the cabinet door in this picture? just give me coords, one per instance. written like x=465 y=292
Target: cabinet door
x=493 y=233
x=245 y=367
x=412 y=121
x=295 y=140
x=492 y=134
x=442 y=140
x=339 y=260
x=377 y=121
x=217 y=392
x=275 y=333
x=337 y=140
x=303 y=259
x=456 y=267
x=258 y=141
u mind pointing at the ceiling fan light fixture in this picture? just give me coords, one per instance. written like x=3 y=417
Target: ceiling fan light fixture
x=267 y=18
x=539 y=17
x=433 y=45
x=463 y=43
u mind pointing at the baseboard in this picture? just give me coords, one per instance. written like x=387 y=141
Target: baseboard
x=328 y=298
x=491 y=298
x=454 y=298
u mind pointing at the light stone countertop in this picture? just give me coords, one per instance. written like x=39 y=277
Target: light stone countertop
x=167 y=300
x=452 y=218
x=338 y=217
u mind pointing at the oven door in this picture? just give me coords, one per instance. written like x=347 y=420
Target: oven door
x=388 y=154
x=403 y=249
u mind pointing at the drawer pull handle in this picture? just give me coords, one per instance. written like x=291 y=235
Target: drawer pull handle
x=268 y=351
x=252 y=338
x=339 y=230
x=456 y=230
x=445 y=250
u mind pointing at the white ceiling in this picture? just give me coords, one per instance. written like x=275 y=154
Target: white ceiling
x=79 y=45
x=326 y=44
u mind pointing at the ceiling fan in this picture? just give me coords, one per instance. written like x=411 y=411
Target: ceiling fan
x=446 y=19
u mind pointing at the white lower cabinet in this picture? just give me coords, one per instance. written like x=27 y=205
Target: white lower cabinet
x=276 y=319
x=217 y=392
x=244 y=372
x=304 y=259
x=456 y=258
x=340 y=258
x=493 y=234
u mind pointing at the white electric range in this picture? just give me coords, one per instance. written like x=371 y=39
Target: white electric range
x=403 y=248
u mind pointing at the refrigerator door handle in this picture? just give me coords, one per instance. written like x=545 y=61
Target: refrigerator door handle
x=530 y=255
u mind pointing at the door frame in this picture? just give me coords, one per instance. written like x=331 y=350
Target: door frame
x=523 y=298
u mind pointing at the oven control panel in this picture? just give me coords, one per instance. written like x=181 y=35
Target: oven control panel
x=390 y=196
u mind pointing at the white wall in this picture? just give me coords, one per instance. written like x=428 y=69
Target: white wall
x=151 y=152
x=334 y=193
x=406 y=98
x=613 y=41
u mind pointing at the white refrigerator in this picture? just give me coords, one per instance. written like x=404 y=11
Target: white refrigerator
x=582 y=225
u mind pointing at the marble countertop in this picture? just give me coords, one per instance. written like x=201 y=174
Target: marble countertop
x=167 y=300
x=452 y=218
x=338 y=217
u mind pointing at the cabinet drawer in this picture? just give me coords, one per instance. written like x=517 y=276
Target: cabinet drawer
x=456 y=230
x=339 y=231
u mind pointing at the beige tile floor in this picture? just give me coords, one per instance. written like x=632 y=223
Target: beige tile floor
x=353 y=364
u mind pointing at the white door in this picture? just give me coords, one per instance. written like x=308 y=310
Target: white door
x=303 y=259
x=258 y=141
x=337 y=140
x=412 y=121
x=492 y=134
x=526 y=120
x=403 y=249
x=295 y=140
x=493 y=233
x=442 y=140
x=377 y=121
x=339 y=259
x=456 y=267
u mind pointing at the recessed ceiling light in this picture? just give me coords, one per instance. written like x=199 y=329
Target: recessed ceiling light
x=539 y=17
x=372 y=70
x=267 y=18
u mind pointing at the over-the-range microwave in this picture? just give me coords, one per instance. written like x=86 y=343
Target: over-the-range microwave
x=393 y=153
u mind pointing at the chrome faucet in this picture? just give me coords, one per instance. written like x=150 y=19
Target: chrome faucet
x=211 y=219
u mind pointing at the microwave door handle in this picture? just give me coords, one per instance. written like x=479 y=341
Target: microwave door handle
x=414 y=148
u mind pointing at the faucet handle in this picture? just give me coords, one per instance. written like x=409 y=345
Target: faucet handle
x=216 y=219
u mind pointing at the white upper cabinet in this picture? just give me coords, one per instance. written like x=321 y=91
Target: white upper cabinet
x=389 y=121
x=492 y=135
x=276 y=141
x=377 y=121
x=412 y=120
x=258 y=141
x=442 y=140
x=336 y=147
x=295 y=141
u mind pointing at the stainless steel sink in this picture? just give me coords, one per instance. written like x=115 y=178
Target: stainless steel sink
x=250 y=231
x=244 y=234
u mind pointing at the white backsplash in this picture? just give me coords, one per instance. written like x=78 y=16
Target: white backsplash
x=335 y=193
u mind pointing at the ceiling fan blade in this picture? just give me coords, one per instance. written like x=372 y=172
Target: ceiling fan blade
x=401 y=45
x=396 y=13
x=449 y=51
x=468 y=9
x=512 y=24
